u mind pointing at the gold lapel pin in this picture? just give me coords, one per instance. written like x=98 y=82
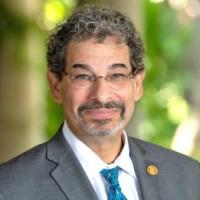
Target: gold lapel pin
x=152 y=170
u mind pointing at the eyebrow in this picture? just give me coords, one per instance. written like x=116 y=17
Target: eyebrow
x=85 y=66
x=82 y=66
x=118 y=65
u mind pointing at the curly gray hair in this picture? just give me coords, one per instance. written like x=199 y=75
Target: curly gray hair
x=93 y=22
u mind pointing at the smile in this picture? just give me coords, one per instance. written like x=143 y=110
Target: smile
x=103 y=113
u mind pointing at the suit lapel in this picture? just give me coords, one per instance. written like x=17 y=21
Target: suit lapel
x=69 y=174
x=148 y=182
x=74 y=183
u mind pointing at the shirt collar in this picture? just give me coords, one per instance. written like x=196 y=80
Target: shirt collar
x=92 y=161
x=87 y=157
x=123 y=160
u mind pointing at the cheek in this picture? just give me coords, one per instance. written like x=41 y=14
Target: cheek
x=129 y=106
x=72 y=100
x=128 y=97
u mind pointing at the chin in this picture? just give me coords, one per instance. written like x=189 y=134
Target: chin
x=103 y=129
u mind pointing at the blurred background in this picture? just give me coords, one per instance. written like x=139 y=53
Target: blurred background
x=168 y=114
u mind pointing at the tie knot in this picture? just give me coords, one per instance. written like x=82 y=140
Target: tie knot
x=111 y=175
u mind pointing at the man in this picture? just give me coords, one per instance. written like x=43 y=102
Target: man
x=95 y=70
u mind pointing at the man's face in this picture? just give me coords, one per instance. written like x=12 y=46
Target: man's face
x=101 y=107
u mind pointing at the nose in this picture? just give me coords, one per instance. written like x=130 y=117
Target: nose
x=101 y=91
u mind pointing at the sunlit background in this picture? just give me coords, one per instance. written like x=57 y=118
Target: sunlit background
x=168 y=114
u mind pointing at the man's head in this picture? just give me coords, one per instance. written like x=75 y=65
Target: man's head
x=95 y=62
x=93 y=22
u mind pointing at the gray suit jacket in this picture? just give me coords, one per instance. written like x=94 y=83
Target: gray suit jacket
x=51 y=171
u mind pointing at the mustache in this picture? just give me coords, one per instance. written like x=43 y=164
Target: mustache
x=98 y=105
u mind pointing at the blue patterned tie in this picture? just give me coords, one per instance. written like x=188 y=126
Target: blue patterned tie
x=111 y=176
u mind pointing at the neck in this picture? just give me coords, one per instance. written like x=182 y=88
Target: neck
x=107 y=148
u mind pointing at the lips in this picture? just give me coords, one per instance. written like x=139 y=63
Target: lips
x=102 y=113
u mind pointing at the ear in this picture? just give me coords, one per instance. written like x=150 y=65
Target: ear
x=139 y=78
x=55 y=86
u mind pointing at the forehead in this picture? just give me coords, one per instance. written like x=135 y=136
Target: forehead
x=98 y=56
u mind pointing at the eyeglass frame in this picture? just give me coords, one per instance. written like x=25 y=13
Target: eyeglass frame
x=94 y=77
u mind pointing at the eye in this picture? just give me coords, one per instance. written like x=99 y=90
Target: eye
x=81 y=77
x=117 y=76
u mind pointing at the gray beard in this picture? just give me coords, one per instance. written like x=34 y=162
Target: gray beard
x=103 y=127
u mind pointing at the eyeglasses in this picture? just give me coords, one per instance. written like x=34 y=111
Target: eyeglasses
x=115 y=80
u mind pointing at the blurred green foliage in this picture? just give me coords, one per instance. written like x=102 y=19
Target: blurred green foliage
x=54 y=12
x=167 y=79
x=13 y=27
x=54 y=116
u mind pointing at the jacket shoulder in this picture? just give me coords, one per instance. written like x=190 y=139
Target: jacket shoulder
x=162 y=154
x=24 y=165
x=25 y=157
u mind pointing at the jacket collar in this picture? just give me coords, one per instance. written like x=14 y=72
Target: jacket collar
x=79 y=187
x=147 y=180
x=68 y=173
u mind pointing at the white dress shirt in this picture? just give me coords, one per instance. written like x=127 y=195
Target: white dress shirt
x=92 y=165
